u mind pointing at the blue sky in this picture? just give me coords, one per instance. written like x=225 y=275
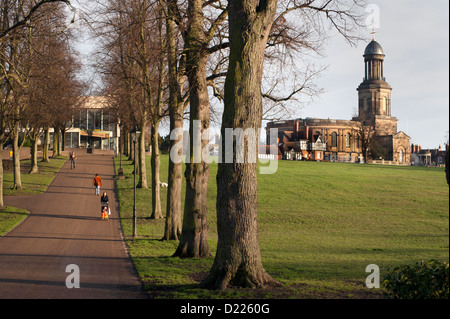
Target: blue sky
x=414 y=35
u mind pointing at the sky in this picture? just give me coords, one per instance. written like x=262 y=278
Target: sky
x=414 y=35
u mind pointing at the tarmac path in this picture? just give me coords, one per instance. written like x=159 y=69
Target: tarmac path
x=64 y=228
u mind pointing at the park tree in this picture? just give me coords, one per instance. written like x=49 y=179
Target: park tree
x=15 y=19
x=198 y=31
x=54 y=90
x=238 y=258
x=132 y=63
x=176 y=106
x=366 y=137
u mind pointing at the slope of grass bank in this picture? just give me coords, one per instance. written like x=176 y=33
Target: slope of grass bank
x=320 y=225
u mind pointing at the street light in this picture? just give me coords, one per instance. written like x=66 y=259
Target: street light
x=134 y=136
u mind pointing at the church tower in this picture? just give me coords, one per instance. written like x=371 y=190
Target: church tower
x=375 y=93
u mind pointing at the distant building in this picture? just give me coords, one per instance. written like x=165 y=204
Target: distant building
x=427 y=157
x=93 y=125
x=341 y=140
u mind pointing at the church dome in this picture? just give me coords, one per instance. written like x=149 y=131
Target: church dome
x=374 y=48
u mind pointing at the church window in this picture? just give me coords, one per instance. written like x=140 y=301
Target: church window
x=334 y=139
x=347 y=140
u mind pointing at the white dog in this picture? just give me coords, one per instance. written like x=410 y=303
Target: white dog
x=164 y=185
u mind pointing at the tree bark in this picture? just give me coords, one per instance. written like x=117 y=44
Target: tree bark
x=142 y=182
x=16 y=158
x=2 y=203
x=172 y=229
x=238 y=258
x=55 y=142
x=193 y=241
x=34 y=162
x=45 y=157
x=156 y=194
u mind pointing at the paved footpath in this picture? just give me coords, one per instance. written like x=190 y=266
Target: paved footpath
x=64 y=228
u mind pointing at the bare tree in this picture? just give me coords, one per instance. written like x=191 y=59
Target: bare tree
x=132 y=36
x=17 y=26
x=365 y=134
x=198 y=32
x=238 y=257
x=176 y=107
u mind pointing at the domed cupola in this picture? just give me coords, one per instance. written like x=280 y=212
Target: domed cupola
x=374 y=58
x=373 y=48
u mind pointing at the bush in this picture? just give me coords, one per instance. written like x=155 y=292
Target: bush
x=423 y=280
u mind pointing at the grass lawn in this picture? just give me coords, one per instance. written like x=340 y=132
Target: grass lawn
x=10 y=217
x=320 y=225
x=32 y=184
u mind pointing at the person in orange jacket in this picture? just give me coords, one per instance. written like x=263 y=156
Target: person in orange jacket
x=97 y=183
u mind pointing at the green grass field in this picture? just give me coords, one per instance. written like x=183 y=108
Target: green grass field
x=320 y=225
x=33 y=184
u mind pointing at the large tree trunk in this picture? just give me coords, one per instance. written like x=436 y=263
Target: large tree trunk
x=238 y=258
x=16 y=158
x=142 y=182
x=45 y=156
x=2 y=203
x=193 y=241
x=55 y=142
x=156 y=194
x=34 y=150
x=172 y=230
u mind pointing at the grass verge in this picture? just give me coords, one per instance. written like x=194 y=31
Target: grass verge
x=10 y=217
x=33 y=184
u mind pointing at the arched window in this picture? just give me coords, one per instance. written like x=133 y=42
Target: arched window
x=347 y=140
x=400 y=156
x=334 y=139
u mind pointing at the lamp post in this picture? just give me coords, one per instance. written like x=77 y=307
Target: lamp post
x=134 y=136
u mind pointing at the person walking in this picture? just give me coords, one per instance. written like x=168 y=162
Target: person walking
x=104 y=202
x=72 y=158
x=97 y=183
x=104 y=199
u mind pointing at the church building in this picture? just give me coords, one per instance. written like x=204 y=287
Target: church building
x=370 y=136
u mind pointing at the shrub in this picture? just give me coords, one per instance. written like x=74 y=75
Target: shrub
x=423 y=280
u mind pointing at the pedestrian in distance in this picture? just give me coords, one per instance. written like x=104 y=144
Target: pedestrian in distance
x=104 y=215
x=97 y=183
x=104 y=199
x=72 y=158
x=104 y=202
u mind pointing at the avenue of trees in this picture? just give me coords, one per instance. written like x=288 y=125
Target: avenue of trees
x=38 y=77
x=173 y=58
x=170 y=58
